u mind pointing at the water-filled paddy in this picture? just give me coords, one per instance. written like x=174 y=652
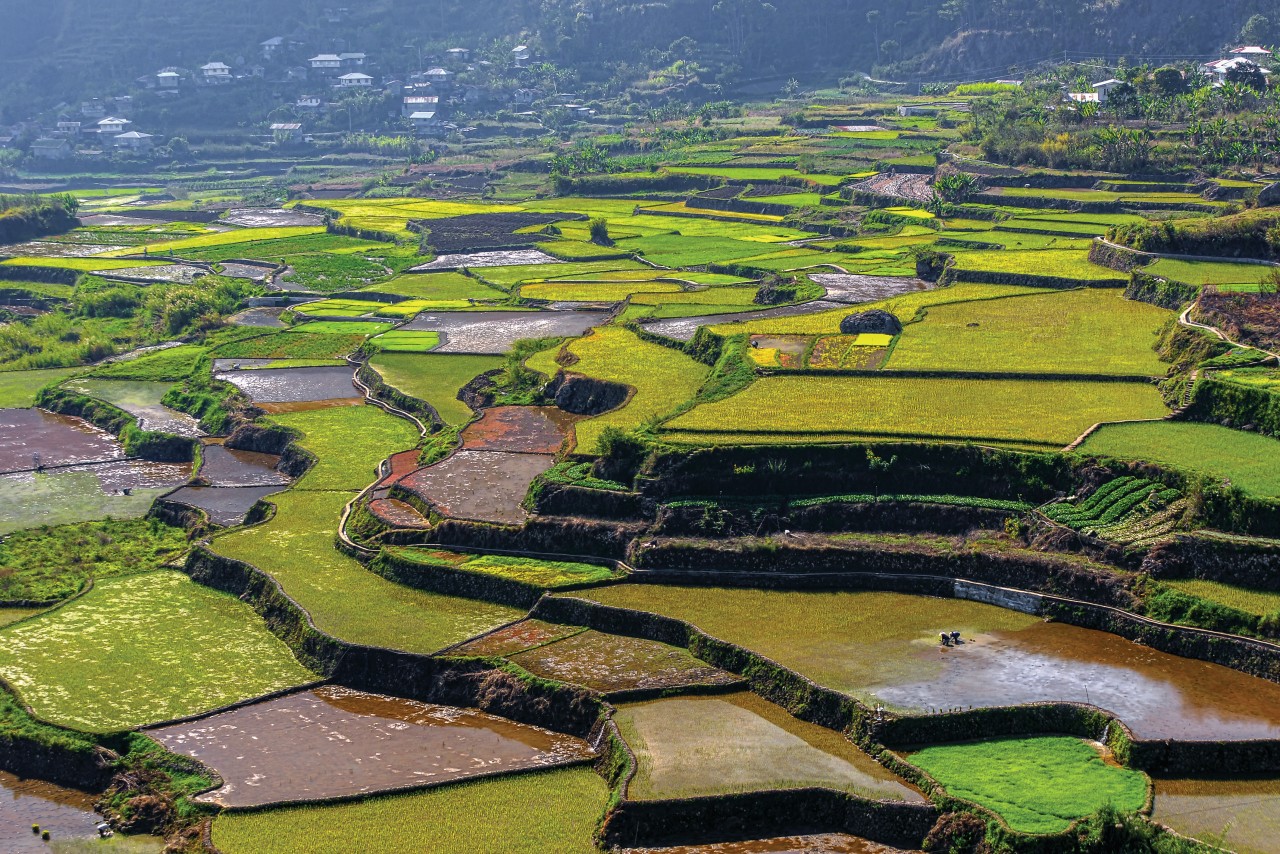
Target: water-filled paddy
x=883 y=648
x=223 y=466
x=294 y=385
x=1241 y=815
x=333 y=742
x=65 y=813
x=226 y=505
x=608 y=663
x=523 y=429
x=497 y=331
x=85 y=493
x=142 y=401
x=691 y=746
x=57 y=439
x=486 y=486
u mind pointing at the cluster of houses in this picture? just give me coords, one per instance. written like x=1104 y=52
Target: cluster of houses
x=1244 y=58
x=93 y=130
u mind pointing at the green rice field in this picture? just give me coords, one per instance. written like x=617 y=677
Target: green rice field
x=142 y=649
x=1247 y=460
x=18 y=388
x=435 y=379
x=1026 y=412
x=521 y=814
x=1037 y=785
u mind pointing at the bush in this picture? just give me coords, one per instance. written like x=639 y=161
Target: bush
x=599 y=228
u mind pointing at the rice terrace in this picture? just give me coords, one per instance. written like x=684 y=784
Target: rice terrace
x=484 y=435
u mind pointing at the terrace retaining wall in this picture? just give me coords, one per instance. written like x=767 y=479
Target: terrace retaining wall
x=712 y=518
x=565 y=499
x=587 y=537
x=756 y=815
x=454 y=581
x=492 y=686
x=994 y=278
x=1253 y=565
x=1161 y=292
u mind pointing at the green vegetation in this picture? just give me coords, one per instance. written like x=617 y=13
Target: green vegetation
x=407 y=341
x=141 y=649
x=435 y=379
x=288 y=345
x=1020 y=412
x=1057 y=263
x=1260 y=603
x=520 y=814
x=296 y=546
x=1208 y=272
x=66 y=497
x=1246 y=459
x=540 y=573
x=18 y=388
x=1037 y=785
x=1083 y=331
x=44 y=564
x=170 y=364
x=663 y=378
x=438 y=287
x=242 y=238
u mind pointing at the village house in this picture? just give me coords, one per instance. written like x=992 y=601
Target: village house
x=352 y=61
x=426 y=122
x=286 y=133
x=68 y=129
x=520 y=54
x=94 y=109
x=325 y=64
x=309 y=103
x=135 y=141
x=215 y=72
x=1219 y=71
x=271 y=47
x=1104 y=88
x=419 y=103
x=1252 y=51
x=51 y=149
x=168 y=80
x=111 y=126
x=354 y=80
x=438 y=76
x=458 y=54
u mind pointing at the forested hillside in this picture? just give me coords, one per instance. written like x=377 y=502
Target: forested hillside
x=59 y=48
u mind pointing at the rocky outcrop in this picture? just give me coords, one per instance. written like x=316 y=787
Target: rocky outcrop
x=874 y=321
x=584 y=395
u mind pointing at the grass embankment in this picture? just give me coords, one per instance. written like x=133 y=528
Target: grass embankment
x=44 y=564
x=1016 y=412
x=1248 y=460
x=168 y=365
x=296 y=546
x=1086 y=331
x=540 y=573
x=841 y=640
x=141 y=649
x=292 y=345
x=663 y=378
x=521 y=814
x=18 y=388
x=1037 y=785
x=435 y=379
x=695 y=746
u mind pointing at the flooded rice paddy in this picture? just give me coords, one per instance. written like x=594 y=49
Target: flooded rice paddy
x=294 y=385
x=499 y=258
x=266 y=318
x=684 y=328
x=223 y=466
x=65 y=813
x=59 y=440
x=332 y=742
x=883 y=648
x=692 y=746
x=270 y=218
x=227 y=506
x=85 y=493
x=495 y=332
x=142 y=400
x=609 y=663
x=521 y=429
x=852 y=288
x=486 y=486
x=1239 y=815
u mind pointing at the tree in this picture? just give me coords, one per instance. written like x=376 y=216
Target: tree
x=1169 y=81
x=1257 y=30
x=1249 y=75
x=740 y=19
x=599 y=228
